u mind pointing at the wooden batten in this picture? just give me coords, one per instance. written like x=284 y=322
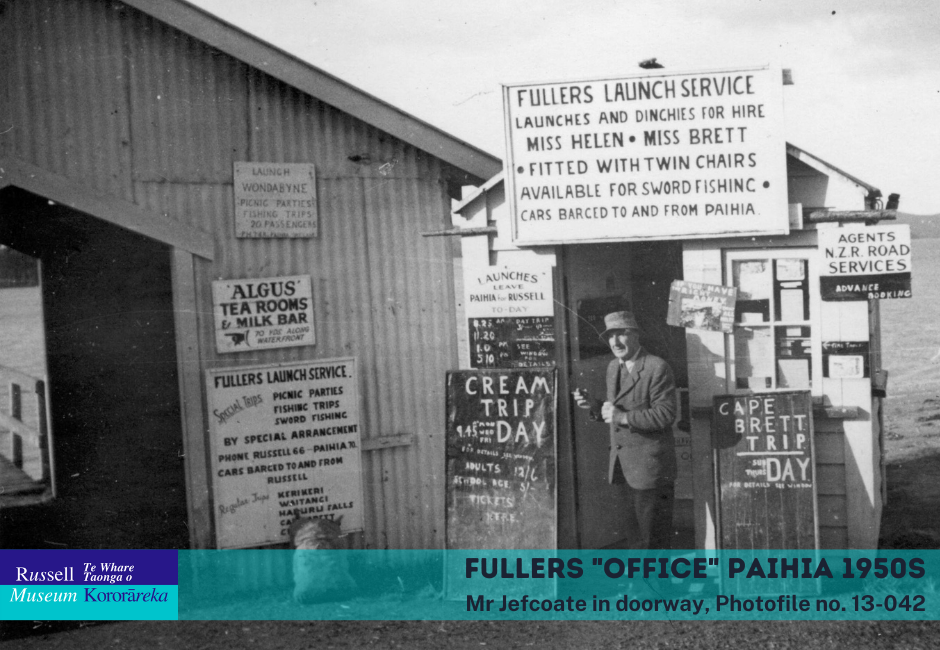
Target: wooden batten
x=824 y=215
x=462 y=232
x=130 y=216
x=192 y=411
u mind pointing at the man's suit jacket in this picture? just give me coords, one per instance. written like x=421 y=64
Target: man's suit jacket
x=641 y=431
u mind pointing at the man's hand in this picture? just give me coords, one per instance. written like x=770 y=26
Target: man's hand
x=584 y=400
x=581 y=398
x=607 y=412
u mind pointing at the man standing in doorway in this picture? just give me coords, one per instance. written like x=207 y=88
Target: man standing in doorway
x=640 y=408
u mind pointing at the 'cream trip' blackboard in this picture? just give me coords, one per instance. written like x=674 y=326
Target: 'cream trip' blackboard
x=501 y=459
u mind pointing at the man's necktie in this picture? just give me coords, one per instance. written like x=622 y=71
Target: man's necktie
x=622 y=377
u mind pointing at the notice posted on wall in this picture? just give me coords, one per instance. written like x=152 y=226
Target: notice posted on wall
x=695 y=305
x=275 y=199
x=865 y=262
x=510 y=317
x=284 y=441
x=647 y=156
x=265 y=313
x=846 y=359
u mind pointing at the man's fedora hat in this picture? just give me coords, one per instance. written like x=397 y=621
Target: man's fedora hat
x=618 y=320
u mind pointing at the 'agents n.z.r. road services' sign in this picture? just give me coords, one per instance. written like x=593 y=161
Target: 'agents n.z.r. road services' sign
x=284 y=441
x=262 y=314
x=865 y=263
x=659 y=156
x=275 y=199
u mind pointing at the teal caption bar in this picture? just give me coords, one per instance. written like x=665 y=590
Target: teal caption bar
x=89 y=603
x=559 y=585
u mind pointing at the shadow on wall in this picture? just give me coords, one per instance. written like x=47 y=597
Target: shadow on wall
x=114 y=394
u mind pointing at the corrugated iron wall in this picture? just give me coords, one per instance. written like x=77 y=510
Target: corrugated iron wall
x=104 y=95
x=64 y=101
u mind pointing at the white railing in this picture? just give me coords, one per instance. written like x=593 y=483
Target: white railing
x=21 y=433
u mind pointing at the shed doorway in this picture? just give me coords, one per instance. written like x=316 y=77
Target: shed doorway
x=113 y=388
x=599 y=279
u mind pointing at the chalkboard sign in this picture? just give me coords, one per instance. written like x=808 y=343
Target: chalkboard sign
x=517 y=342
x=501 y=459
x=766 y=471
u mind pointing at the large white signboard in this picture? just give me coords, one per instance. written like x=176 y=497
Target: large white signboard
x=647 y=156
x=263 y=313
x=284 y=440
x=275 y=199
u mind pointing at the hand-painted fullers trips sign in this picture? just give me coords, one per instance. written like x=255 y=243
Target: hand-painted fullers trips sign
x=284 y=441
x=647 y=156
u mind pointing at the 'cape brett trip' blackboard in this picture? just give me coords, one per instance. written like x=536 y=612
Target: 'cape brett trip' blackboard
x=766 y=476
x=501 y=459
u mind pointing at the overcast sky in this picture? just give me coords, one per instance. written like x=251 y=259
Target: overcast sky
x=867 y=72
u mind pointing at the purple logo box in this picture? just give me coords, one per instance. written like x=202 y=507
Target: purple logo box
x=89 y=567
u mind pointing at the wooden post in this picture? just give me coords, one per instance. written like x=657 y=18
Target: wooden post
x=192 y=413
x=877 y=371
x=43 y=442
x=16 y=412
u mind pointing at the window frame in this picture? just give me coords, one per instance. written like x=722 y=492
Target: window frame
x=771 y=255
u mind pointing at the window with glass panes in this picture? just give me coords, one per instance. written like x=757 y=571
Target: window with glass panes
x=775 y=341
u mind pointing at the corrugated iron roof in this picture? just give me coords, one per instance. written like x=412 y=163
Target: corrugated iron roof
x=293 y=71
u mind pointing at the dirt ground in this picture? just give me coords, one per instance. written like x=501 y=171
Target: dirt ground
x=427 y=635
x=911 y=519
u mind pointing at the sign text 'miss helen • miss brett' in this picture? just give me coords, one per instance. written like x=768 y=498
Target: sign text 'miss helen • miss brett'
x=697 y=145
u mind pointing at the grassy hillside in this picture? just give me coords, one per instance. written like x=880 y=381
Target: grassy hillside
x=922 y=226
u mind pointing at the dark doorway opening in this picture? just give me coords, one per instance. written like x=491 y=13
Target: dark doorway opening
x=114 y=396
x=601 y=278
